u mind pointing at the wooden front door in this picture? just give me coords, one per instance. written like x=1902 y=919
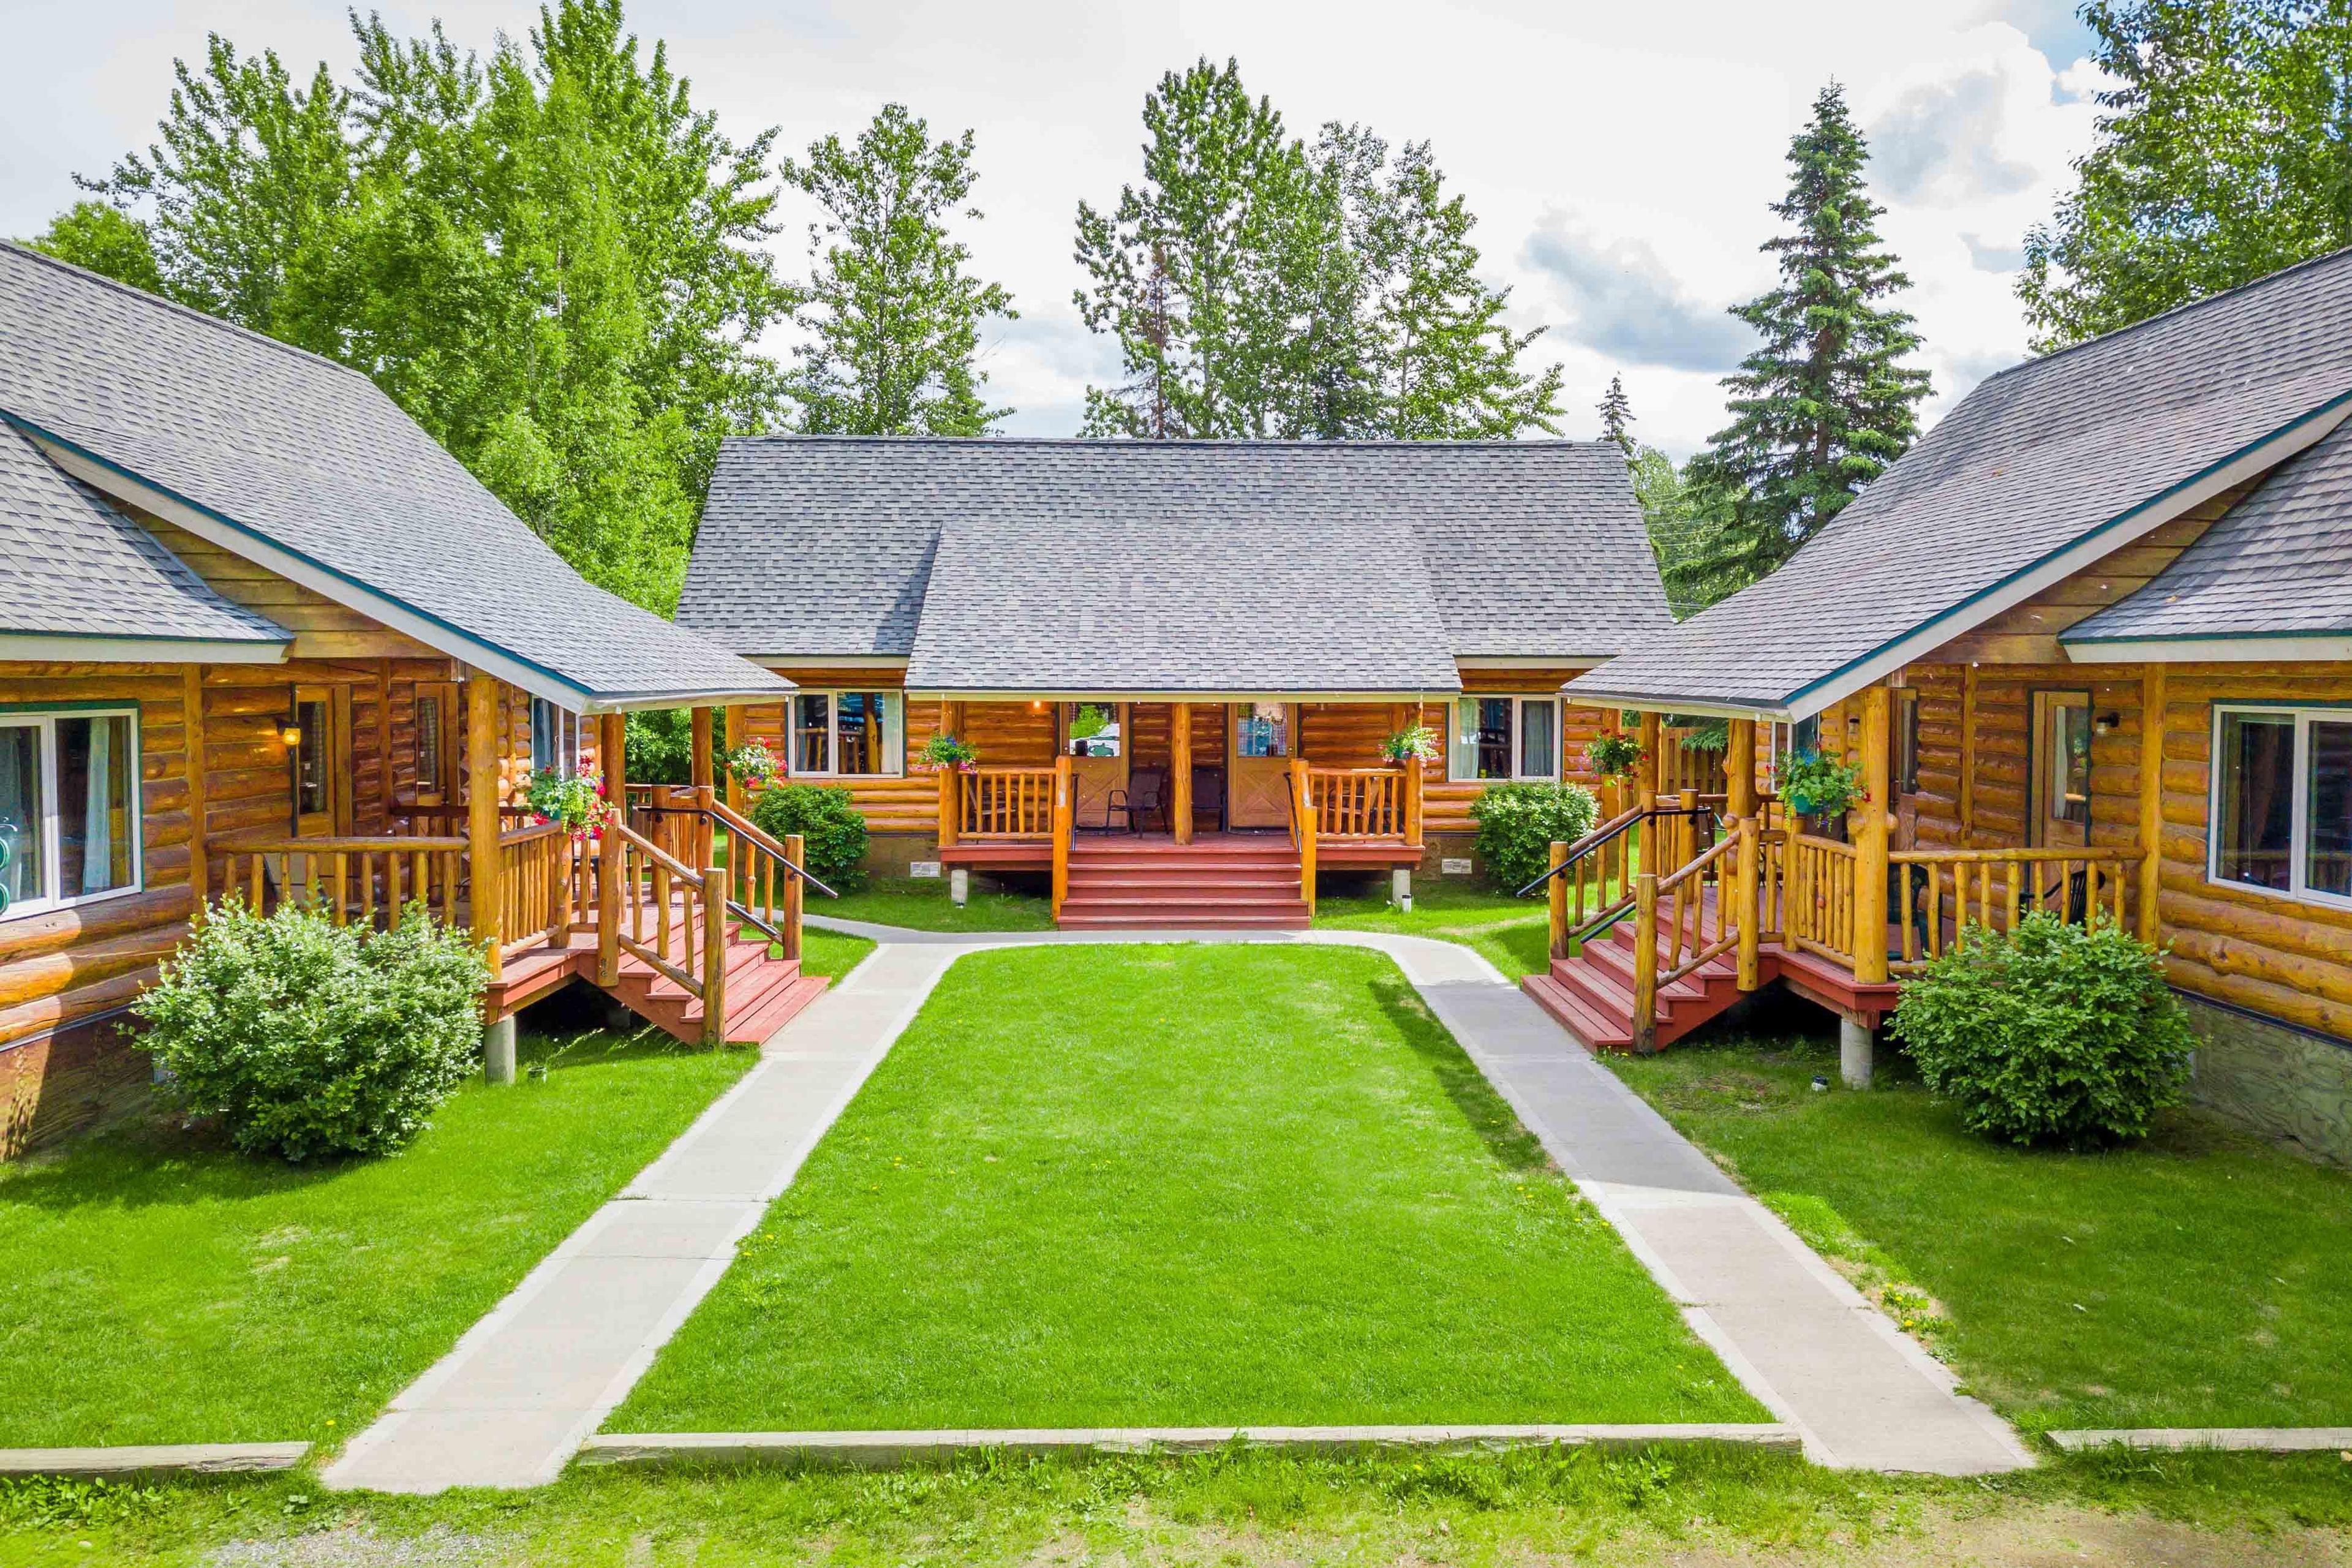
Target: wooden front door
x=320 y=763
x=436 y=742
x=1099 y=760
x=2060 y=804
x=1262 y=737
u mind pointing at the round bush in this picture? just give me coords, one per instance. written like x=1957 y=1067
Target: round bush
x=826 y=816
x=2050 y=1034
x=1518 y=822
x=305 y=1039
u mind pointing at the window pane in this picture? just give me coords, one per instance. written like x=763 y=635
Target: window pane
x=2328 y=857
x=542 y=734
x=1537 y=758
x=859 y=720
x=22 y=877
x=94 y=827
x=2070 y=782
x=812 y=722
x=428 y=743
x=311 y=790
x=1262 y=731
x=1806 y=737
x=1906 y=746
x=1494 y=737
x=2255 y=829
x=1093 y=729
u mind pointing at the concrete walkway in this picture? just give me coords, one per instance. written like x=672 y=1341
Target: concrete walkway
x=512 y=1402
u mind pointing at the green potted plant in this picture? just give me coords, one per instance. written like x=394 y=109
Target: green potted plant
x=1613 y=756
x=576 y=800
x=1417 y=743
x=1820 y=788
x=751 y=765
x=946 y=753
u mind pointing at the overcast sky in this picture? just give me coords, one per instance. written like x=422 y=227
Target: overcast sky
x=1619 y=157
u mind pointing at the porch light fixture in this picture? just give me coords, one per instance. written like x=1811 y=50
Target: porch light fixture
x=2105 y=722
x=291 y=734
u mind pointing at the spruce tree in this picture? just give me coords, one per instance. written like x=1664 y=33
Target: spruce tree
x=1617 y=416
x=1825 y=404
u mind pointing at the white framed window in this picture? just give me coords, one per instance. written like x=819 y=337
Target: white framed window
x=1504 y=738
x=69 y=825
x=848 y=734
x=2282 y=803
x=554 y=738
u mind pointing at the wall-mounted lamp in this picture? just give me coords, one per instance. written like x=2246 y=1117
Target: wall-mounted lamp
x=2105 y=722
x=291 y=734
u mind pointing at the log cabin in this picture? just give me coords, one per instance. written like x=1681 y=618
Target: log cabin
x=261 y=635
x=1177 y=662
x=2090 y=645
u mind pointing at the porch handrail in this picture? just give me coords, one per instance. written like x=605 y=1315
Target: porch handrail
x=638 y=880
x=348 y=863
x=1304 y=828
x=1005 y=805
x=752 y=874
x=1686 y=888
x=2078 y=889
x=1362 y=803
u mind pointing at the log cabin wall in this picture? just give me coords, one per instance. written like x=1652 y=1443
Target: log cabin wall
x=1448 y=801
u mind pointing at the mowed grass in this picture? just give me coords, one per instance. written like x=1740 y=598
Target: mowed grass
x=921 y=903
x=157 y=1288
x=1179 y=1184
x=1510 y=933
x=830 y=954
x=2198 y=1281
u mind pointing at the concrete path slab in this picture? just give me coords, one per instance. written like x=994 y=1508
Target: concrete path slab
x=527 y=1386
x=2223 y=1439
x=153 y=1459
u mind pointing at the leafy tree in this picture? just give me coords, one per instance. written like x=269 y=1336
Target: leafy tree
x=2225 y=153
x=1259 y=287
x=1617 y=416
x=106 y=241
x=1686 y=519
x=550 y=259
x=1823 y=405
x=896 y=322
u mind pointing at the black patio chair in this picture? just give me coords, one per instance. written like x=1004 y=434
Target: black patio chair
x=1145 y=794
x=1209 y=794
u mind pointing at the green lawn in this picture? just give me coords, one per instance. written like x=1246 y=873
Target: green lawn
x=156 y=1288
x=1144 y=1185
x=1510 y=932
x=2198 y=1281
x=830 y=953
x=921 y=903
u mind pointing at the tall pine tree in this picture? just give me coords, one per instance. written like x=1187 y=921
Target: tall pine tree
x=894 y=320
x=1617 y=416
x=1825 y=404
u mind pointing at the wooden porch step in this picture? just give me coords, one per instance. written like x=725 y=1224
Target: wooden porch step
x=1183 y=920
x=1596 y=1030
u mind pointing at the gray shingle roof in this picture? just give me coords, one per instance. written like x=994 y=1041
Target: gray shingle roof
x=2033 y=460
x=71 y=565
x=313 y=458
x=826 y=546
x=2279 y=563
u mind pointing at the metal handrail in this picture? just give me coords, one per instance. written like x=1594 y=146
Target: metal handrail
x=1609 y=833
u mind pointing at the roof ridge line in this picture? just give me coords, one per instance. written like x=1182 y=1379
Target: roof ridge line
x=2182 y=309
x=34 y=254
x=795 y=437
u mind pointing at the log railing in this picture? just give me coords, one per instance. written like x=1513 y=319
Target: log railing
x=370 y=880
x=1589 y=883
x=1820 y=907
x=1362 y=803
x=1305 y=827
x=1005 y=805
x=766 y=879
x=1940 y=892
x=1702 y=887
x=669 y=916
x=537 y=887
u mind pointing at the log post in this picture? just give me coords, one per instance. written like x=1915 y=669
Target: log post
x=1870 y=824
x=1557 y=902
x=1302 y=788
x=1064 y=814
x=1739 y=761
x=714 y=953
x=613 y=750
x=795 y=894
x=1179 y=765
x=2152 y=700
x=1416 y=778
x=191 y=730
x=705 y=774
x=739 y=726
x=482 y=808
x=1646 y=962
x=950 y=792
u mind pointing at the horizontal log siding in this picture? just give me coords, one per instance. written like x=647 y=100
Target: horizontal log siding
x=2285 y=960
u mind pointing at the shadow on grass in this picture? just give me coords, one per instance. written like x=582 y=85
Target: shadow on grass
x=1497 y=1126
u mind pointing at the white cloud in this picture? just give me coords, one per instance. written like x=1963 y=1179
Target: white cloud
x=1625 y=303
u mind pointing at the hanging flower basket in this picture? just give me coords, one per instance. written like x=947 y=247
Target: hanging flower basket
x=945 y=752
x=576 y=800
x=1417 y=744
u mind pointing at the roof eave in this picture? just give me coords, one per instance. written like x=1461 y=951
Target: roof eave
x=127 y=647
x=2213 y=648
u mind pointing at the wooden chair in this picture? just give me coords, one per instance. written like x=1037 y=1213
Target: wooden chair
x=1209 y=794
x=1146 y=794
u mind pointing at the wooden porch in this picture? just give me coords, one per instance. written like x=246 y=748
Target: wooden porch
x=1666 y=914
x=679 y=908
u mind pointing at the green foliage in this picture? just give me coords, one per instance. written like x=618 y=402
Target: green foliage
x=2224 y=154
x=551 y=260
x=1823 y=405
x=1414 y=744
x=947 y=751
x=1613 y=756
x=307 y=1038
x=106 y=241
x=895 y=322
x=1617 y=416
x=1257 y=286
x=1091 y=720
x=661 y=746
x=1518 y=824
x=1815 y=785
x=576 y=800
x=826 y=816
x=2050 y=1034
x=1688 y=517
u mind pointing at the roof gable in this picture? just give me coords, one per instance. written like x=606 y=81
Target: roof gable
x=832 y=547
x=312 y=470
x=2069 y=455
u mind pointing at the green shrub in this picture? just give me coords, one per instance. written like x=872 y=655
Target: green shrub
x=307 y=1039
x=2050 y=1034
x=826 y=816
x=1517 y=822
